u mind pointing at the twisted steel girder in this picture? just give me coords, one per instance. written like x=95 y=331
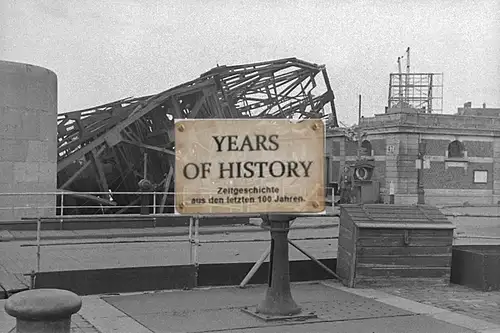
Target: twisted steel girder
x=113 y=146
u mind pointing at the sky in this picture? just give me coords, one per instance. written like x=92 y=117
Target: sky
x=103 y=51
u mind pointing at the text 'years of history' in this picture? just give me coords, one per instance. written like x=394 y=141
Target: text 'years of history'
x=247 y=169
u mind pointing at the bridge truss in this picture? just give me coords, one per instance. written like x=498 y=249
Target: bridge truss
x=112 y=147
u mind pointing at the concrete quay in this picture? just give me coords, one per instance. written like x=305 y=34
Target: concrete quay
x=338 y=309
x=234 y=253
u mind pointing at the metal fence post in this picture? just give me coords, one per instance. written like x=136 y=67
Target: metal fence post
x=154 y=202
x=62 y=204
x=38 y=231
x=191 y=240
x=196 y=239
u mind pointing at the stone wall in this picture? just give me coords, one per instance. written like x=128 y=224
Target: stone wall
x=28 y=140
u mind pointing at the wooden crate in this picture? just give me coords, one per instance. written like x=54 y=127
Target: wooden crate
x=378 y=242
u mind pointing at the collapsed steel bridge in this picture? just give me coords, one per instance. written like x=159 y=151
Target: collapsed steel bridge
x=112 y=147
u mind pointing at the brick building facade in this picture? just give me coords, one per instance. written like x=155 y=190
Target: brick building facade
x=462 y=156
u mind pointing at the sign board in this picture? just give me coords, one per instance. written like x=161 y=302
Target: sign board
x=455 y=165
x=232 y=166
x=480 y=176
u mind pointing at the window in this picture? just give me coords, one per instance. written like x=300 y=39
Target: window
x=366 y=148
x=456 y=149
x=480 y=176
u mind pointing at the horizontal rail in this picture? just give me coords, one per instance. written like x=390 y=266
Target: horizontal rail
x=261 y=240
x=468 y=206
x=158 y=215
x=471 y=215
x=111 y=242
x=479 y=237
x=174 y=241
x=60 y=192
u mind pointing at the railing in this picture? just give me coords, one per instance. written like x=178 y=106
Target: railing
x=194 y=242
x=30 y=205
x=53 y=203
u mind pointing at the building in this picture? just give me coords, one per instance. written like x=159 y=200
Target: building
x=461 y=157
x=468 y=110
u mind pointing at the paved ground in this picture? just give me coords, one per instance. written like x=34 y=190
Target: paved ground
x=338 y=309
x=456 y=298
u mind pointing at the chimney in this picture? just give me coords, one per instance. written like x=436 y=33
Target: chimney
x=484 y=105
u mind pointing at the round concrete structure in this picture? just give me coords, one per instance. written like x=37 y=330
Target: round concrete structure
x=28 y=140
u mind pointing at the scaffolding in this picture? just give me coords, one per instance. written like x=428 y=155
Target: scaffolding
x=418 y=92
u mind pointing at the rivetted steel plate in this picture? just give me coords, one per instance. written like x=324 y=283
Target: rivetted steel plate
x=221 y=308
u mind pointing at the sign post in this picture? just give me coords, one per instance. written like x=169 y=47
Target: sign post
x=279 y=300
x=274 y=168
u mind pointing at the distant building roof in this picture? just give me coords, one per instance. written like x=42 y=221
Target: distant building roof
x=468 y=110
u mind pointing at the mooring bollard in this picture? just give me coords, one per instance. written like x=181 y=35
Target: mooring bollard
x=43 y=310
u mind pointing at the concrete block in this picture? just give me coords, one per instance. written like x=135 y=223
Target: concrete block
x=37 y=151
x=46 y=212
x=41 y=93
x=30 y=124
x=25 y=85
x=10 y=122
x=25 y=212
x=30 y=187
x=44 y=201
x=13 y=150
x=47 y=172
x=26 y=172
x=13 y=200
x=6 y=172
x=48 y=128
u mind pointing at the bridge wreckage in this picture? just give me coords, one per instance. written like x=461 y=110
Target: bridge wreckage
x=114 y=147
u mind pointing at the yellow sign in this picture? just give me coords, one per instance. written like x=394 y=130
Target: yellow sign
x=237 y=166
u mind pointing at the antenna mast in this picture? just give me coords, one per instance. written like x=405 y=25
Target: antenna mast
x=407 y=81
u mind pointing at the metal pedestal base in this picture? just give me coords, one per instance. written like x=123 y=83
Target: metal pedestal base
x=269 y=318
